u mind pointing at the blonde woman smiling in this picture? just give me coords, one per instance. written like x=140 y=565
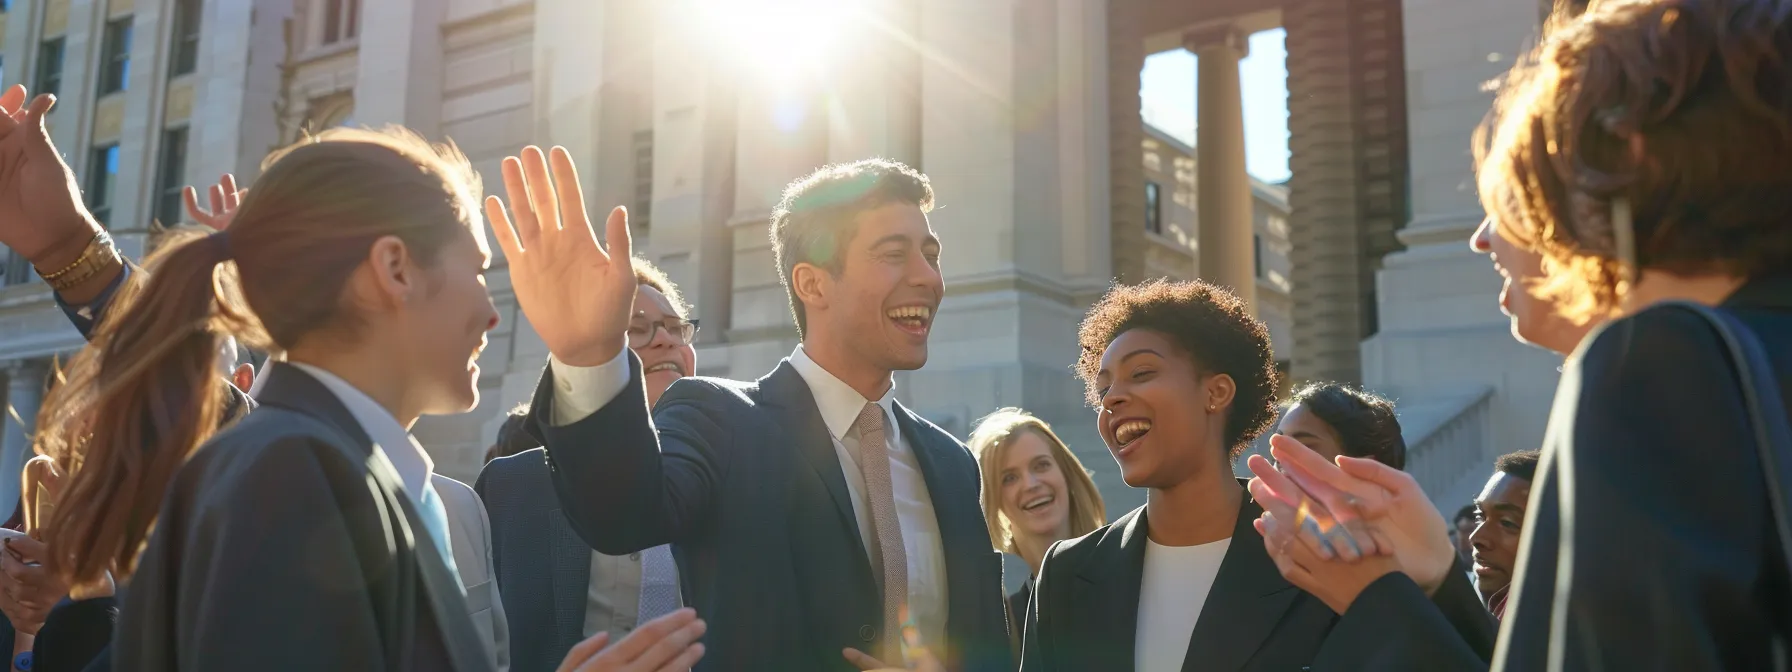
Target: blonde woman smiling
x=1035 y=492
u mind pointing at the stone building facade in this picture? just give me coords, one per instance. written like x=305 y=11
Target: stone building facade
x=1025 y=115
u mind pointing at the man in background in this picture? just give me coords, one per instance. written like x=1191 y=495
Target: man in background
x=1499 y=525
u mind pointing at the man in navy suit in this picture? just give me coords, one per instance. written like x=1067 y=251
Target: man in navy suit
x=818 y=524
x=556 y=590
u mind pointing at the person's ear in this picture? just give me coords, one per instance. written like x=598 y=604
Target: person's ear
x=811 y=285
x=243 y=377
x=1221 y=389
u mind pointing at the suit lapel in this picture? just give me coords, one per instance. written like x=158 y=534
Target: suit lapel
x=1108 y=582
x=789 y=401
x=1248 y=599
x=291 y=387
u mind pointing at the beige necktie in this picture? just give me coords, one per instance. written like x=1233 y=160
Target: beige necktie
x=874 y=463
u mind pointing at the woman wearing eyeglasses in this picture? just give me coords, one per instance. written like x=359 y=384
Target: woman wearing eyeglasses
x=556 y=590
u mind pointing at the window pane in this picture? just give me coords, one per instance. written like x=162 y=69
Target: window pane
x=49 y=66
x=332 y=21
x=171 y=173
x=116 y=58
x=102 y=173
x=1153 y=208
x=186 y=37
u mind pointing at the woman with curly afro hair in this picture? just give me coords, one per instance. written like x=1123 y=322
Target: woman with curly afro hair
x=1182 y=380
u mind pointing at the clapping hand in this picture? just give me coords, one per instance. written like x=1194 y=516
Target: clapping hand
x=577 y=293
x=42 y=217
x=665 y=644
x=27 y=589
x=225 y=198
x=1399 y=515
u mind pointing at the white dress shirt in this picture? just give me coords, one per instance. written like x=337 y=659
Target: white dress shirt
x=400 y=448
x=581 y=391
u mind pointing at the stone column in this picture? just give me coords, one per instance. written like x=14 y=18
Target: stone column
x=24 y=392
x=1325 y=255
x=400 y=75
x=1223 y=191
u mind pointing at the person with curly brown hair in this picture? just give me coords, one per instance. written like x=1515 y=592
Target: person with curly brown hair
x=1645 y=153
x=1182 y=379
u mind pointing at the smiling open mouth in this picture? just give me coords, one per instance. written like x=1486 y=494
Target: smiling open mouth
x=1131 y=430
x=1038 y=503
x=666 y=366
x=912 y=319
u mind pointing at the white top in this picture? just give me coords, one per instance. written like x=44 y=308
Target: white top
x=1171 y=593
x=581 y=391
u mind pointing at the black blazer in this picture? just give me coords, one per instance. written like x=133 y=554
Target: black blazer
x=1085 y=607
x=743 y=480
x=543 y=567
x=1675 y=562
x=282 y=546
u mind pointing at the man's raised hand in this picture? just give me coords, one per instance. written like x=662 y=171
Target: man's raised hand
x=576 y=293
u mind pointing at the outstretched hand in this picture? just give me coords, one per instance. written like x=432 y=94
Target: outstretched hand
x=665 y=644
x=224 y=197
x=577 y=293
x=41 y=214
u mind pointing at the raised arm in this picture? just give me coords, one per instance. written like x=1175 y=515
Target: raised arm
x=623 y=485
x=1662 y=513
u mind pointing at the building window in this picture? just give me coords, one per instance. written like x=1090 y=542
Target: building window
x=643 y=182
x=1257 y=253
x=342 y=20
x=49 y=66
x=115 y=57
x=171 y=176
x=186 y=37
x=1154 y=208
x=102 y=180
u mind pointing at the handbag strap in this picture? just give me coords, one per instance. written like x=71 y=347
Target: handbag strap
x=1766 y=412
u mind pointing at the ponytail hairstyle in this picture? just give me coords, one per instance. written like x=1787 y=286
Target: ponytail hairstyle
x=146 y=393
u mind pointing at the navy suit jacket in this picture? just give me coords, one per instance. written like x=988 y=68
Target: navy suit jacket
x=742 y=479
x=543 y=567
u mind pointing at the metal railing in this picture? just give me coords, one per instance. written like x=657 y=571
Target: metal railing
x=1450 y=447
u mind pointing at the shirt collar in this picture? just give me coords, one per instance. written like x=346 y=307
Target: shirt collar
x=402 y=450
x=838 y=402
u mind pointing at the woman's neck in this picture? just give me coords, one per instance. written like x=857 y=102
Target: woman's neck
x=1658 y=286
x=1200 y=510
x=1031 y=548
x=367 y=369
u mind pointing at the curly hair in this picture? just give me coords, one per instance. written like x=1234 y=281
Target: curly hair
x=1522 y=464
x=1681 y=109
x=1209 y=323
x=1364 y=421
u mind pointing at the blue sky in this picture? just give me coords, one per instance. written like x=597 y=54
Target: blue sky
x=1167 y=92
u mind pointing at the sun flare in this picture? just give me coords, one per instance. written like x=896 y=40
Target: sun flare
x=779 y=39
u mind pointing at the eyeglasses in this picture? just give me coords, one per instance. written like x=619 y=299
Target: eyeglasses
x=641 y=332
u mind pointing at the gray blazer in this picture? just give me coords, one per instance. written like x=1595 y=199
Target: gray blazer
x=470 y=534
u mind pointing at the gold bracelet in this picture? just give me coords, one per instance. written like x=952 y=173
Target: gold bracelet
x=98 y=256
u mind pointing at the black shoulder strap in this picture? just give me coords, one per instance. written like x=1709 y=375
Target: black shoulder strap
x=1766 y=412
